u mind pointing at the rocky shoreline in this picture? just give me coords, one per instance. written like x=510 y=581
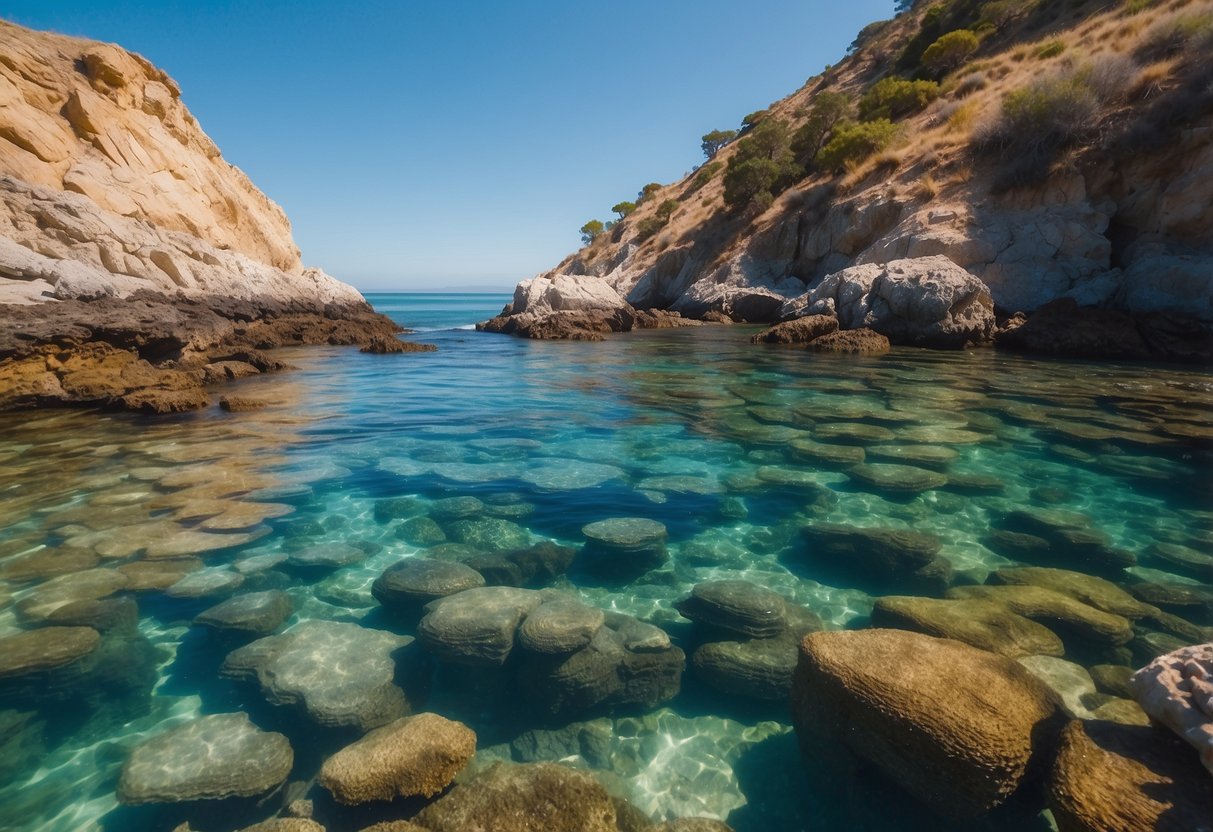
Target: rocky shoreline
x=158 y=354
x=924 y=302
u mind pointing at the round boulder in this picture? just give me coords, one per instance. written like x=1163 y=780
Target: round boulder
x=414 y=582
x=254 y=613
x=477 y=626
x=560 y=625
x=738 y=607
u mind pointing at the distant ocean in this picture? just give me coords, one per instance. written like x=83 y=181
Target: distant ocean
x=434 y=311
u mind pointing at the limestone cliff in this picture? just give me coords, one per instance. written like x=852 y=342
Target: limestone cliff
x=109 y=189
x=1068 y=154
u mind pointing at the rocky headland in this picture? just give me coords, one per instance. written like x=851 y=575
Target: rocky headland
x=137 y=266
x=1043 y=185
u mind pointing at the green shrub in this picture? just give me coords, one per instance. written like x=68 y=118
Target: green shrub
x=714 y=141
x=1170 y=37
x=998 y=14
x=763 y=164
x=1051 y=49
x=666 y=210
x=648 y=227
x=1138 y=6
x=753 y=120
x=950 y=51
x=891 y=98
x=855 y=142
x=704 y=175
x=829 y=108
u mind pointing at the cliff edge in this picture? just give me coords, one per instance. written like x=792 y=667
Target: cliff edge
x=129 y=245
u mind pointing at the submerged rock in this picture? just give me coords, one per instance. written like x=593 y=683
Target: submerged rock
x=956 y=727
x=254 y=613
x=852 y=342
x=338 y=674
x=888 y=476
x=982 y=624
x=560 y=625
x=797 y=331
x=412 y=583
x=878 y=555
x=476 y=626
x=1052 y=608
x=621 y=547
x=740 y=607
x=760 y=668
x=416 y=756
x=1124 y=777
x=208 y=758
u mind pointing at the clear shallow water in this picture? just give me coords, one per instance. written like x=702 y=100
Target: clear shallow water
x=692 y=428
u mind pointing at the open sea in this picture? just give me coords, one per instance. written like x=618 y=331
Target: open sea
x=493 y=444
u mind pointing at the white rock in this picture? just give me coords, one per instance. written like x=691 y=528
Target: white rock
x=1177 y=691
x=565 y=293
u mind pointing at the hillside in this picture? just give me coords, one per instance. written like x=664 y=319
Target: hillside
x=136 y=264
x=1052 y=149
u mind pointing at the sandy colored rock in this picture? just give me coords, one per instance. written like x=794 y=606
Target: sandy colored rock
x=532 y=797
x=955 y=726
x=417 y=756
x=285 y=825
x=1047 y=606
x=852 y=342
x=1177 y=691
x=985 y=625
x=797 y=331
x=1123 y=778
x=47 y=648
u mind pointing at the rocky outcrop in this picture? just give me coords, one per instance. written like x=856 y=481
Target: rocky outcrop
x=958 y=728
x=109 y=190
x=1176 y=690
x=417 y=756
x=574 y=308
x=927 y=301
x=800 y=330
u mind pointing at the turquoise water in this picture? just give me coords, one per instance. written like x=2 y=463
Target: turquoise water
x=717 y=439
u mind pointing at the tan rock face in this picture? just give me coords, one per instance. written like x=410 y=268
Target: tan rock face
x=92 y=118
x=411 y=757
x=954 y=726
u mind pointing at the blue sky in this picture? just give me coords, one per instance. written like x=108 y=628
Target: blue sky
x=429 y=144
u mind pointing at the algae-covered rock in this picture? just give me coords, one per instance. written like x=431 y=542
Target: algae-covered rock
x=740 y=607
x=476 y=626
x=983 y=624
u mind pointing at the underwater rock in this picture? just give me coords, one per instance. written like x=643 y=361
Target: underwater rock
x=570 y=475
x=254 y=613
x=395 y=508
x=1048 y=607
x=759 y=668
x=89 y=585
x=888 y=476
x=622 y=547
x=899 y=557
x=560 y=625
x=1073 y=685
x=931 y=456
x=457 y=508
x=523 y=797
x=206 y=583
x=156 y=575
x=211 y=757
x=416 y=756
x=106 y=615
x=327 y=556
x=407 y=586
x=421 y=531
x=955 y=726
x=626 y=662
x=489 y=534
x=22 y=743
x=476 y=626
x=739 y=607
x=1183 y=560
x=1089 y=589
x=1176 y=690
x=47 y=562
x=1112 y=679
x=1122 y=777
x=853 y=433
x=338 y=674
x=979 y=623
x=827 y=453
x=1071 y=540
x=34 y=653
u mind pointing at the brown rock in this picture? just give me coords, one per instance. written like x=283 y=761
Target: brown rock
x=381 y=345
x=1123 y=778
x=285 y=825
x=240 y=404
x=853 y=341
x=955 y=726
x=535 y=797
x=1062 y=328
x=798 y=331
x=982 y=624
x=417 y=756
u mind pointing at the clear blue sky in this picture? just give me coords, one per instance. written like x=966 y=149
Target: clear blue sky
x=426 y=144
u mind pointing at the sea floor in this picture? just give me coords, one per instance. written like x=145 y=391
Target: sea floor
x=493 y=443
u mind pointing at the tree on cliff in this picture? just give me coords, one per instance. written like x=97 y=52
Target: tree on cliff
x=762 y=167
x=623 y=208
x=647 y=191
x=591 y=231
x=828 y=110
x=715 y=140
